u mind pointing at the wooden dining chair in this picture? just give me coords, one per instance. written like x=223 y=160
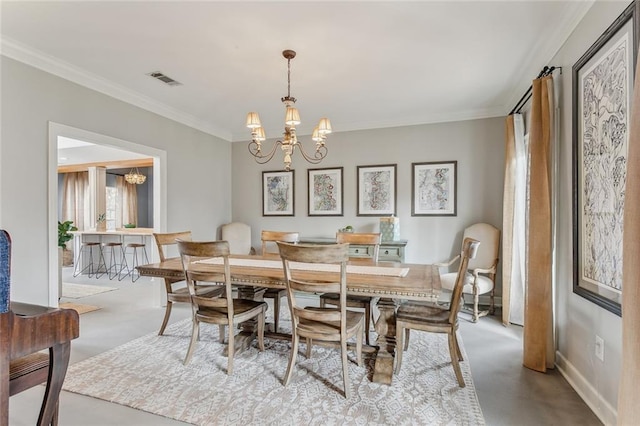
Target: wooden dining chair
x=269 y=248
x=334 y=324
x=176 y=294
x=372 y=240
x=436 y=318
x=224 y=310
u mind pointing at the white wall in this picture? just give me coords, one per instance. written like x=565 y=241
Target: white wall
x=577 y=319
x=477 y=146
x=198 y=169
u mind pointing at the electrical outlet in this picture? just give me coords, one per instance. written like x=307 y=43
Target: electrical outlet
x=599 y=349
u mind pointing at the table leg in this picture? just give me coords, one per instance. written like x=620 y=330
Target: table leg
x=386 y=329
x=248 y=329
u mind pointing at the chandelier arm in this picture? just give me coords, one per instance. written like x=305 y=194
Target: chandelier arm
x=260 y=157
x=318 y=156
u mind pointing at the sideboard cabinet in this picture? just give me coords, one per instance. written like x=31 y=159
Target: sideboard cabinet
x=390 y=251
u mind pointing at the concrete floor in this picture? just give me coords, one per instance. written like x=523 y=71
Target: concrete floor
x=509 y=394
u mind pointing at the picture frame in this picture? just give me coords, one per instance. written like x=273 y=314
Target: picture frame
x=602 y=76
x=434 y=188
x=376 y=190
x=325 y=192
x=278 y=193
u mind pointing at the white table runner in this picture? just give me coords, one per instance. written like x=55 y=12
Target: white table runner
x=319 y=267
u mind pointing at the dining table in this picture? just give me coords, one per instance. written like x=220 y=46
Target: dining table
x=391 y=282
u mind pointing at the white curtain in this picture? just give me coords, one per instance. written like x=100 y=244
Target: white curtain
x=516 y=303
x=75 y=200
x=514 y=216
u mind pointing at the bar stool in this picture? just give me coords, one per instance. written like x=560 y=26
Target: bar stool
x=112 y=269
x=101 y=262
x=138 y=249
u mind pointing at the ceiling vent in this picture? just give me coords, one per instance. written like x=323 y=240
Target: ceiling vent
x=163 y=78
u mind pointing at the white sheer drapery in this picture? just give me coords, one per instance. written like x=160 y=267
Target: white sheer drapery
x=75 y=200
x=514 y=222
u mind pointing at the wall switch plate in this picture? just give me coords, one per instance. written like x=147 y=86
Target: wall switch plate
x=599 y=349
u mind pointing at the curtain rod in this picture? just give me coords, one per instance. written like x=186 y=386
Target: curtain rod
x=527 y=95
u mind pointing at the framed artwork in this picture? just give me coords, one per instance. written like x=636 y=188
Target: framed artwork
x=434 y=188
x=377 y=190
x=277 y=193
x=602 y=92
x=325 y=192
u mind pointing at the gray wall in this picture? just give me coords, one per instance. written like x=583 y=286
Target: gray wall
x=198 y=170
x=477 y=146
x=577 y=319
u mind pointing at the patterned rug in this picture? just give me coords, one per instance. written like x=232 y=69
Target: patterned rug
x=76 y=291
x=148 y=374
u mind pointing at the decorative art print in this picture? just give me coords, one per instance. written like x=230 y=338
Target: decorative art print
x=377 y=190
x=602 y=91
x=434 y=189
x=277 y=193
x=325 y=192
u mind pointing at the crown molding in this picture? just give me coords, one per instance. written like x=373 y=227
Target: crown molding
x=14 y=50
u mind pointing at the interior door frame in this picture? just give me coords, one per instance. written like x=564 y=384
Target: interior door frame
x=159 y=187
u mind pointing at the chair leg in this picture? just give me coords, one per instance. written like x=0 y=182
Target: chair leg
x=292 y=357
x=454 y=359
x=406 y=338
x=476 y=300
x=195 y=332
x=455 y=340
x=492 y=306
x=276 y=313
x=230 y=349
x=367 y=322
x=359 y=346
x=167 y=314
x=309 y=344
x=345 y=366
x=399 y=338
x=261 y=331
x=221 y=332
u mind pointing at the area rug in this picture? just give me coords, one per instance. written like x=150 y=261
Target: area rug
x=76 y=291
x=148 y=374
x=81 y=309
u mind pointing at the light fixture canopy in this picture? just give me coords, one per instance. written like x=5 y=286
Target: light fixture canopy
x=135 y=178
x=290 y=141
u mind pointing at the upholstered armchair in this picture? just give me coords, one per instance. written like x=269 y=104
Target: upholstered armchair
x=480 y=277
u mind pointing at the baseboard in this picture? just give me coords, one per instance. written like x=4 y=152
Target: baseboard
x=605 y=412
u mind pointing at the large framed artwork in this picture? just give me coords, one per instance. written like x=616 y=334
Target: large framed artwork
x=433 y=188
x=377 y=190
x=602 y=92
x=325 y=192
x=277 y=193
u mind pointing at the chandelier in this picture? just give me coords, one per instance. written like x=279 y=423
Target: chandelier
x=135 y=177
x=290 y=141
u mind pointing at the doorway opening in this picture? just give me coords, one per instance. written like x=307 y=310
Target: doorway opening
x=58 y=132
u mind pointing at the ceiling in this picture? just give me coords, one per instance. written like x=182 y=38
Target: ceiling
x=363 y=64
x=73 y=152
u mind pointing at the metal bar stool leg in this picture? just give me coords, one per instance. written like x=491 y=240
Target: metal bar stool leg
x=115 y=267
x=78 y=269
